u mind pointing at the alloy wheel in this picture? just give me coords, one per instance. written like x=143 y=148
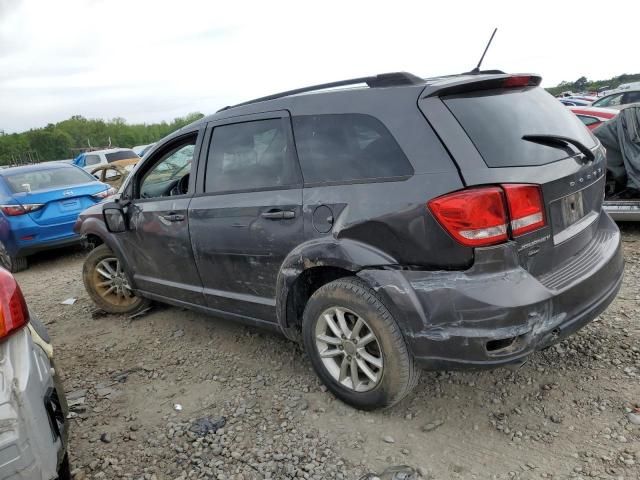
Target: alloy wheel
x=349 y=349
x=111 y=283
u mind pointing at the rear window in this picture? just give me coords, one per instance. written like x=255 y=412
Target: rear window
x=496 y=120
x=47 y=179
x=347 y=147
x=122 y=155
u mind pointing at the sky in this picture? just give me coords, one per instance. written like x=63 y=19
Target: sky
x=147 y=61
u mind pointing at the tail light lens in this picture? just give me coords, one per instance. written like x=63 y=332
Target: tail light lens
x=15 y=210
x=520 y=81
x=13 y=309
x=479 y=217
x=526 y=209
x=105 y=193
x=474 y=217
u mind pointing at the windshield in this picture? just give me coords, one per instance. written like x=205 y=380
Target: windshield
x=47 y=179
x=496 y=121
x=610 y=101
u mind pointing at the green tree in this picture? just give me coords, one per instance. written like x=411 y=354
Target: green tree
x=63 y=139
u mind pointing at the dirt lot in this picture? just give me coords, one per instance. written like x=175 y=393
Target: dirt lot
x=564 y=414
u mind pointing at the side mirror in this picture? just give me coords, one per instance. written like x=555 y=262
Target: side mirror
x=114 y=217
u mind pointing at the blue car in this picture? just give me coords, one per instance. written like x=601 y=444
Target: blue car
x=39 y=205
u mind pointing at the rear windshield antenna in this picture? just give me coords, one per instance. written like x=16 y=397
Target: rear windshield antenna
x=477 y=69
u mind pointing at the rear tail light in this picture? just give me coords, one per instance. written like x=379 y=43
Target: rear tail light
x=482 y=216
x=105 y=193
x=13 y=309
x=475 y=217
x=15 y=210
x=526 y=209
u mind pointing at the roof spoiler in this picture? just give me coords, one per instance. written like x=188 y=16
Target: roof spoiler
x=469 y=84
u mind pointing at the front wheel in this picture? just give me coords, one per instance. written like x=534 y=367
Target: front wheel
x=356 y=346
x=107 y=283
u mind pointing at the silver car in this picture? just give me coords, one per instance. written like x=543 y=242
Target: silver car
x=33 y=408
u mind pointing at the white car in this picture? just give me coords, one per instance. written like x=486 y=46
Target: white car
x=33 y=407
x=618 y=99
x=142 y=149
x=90 y=160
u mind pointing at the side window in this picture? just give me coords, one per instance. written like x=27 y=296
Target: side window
x=169 y=173
x=588 y=120
x=91 y=160
x=347 y=147
x=631 y=97
x=250 y=155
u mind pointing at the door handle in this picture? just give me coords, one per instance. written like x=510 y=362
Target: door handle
x=278 y=214
x=172 y=217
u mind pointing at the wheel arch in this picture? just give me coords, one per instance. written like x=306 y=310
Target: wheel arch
x=95 y=232
x=314 y=264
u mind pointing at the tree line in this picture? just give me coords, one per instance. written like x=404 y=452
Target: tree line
x=583 y=84
x=62 y=140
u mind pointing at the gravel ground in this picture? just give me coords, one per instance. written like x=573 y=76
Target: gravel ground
x=567 y=413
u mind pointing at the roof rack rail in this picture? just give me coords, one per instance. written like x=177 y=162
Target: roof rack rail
x=393 y=79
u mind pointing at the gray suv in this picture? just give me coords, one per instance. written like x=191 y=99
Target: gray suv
x=389 y=223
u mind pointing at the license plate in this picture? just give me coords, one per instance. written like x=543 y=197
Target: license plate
x=70 y=205
x=572 y=208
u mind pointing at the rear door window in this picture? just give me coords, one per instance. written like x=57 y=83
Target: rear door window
x=251 y=155
x=496 y=121
x=121 y=155
x=631 y=97
x=346 y=148
x=91 y=160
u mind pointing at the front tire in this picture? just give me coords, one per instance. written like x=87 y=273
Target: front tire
x=356 y=346
x=108 y=285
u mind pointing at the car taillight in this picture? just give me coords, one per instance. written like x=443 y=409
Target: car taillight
x=14 y=313
x=475 y=217
x=526 y=209
x=520 y=81
x=479 y=217
x=105 y=193
x=15 y=210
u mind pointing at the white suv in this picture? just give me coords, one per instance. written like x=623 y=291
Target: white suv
x=90 y=160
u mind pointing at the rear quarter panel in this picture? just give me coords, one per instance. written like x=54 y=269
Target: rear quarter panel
x=389 y=216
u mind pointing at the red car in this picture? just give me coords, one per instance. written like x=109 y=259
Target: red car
x=593 y=117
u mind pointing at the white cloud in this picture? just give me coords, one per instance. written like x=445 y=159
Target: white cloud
x=150 y=60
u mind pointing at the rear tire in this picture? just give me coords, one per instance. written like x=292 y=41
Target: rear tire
x=107 y=284
x=345 y=321
x=11 y=263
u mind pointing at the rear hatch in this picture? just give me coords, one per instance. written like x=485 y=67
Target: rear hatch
x=503 y=129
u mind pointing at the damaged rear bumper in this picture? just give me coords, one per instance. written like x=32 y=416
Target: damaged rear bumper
x=497 y=313
x=33 y=433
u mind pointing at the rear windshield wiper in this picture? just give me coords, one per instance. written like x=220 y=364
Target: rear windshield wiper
x=561 y=141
